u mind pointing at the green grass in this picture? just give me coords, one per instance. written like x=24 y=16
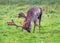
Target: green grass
x=49 y=32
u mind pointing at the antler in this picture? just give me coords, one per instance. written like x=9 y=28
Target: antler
x=21 y=14
x=15 y=24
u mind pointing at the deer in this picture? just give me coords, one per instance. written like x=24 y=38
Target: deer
x=34 y=14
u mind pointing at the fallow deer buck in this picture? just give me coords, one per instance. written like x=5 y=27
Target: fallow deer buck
x=33 y=14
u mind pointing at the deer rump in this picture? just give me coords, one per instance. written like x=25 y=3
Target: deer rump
x=33 y=14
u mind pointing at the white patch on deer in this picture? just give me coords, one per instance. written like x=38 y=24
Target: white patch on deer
x=36 y=14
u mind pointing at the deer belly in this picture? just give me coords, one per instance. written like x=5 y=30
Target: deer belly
x=34 y=18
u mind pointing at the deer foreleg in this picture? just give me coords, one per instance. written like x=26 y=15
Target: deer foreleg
x=22 y=29
x=35 y=24
x=34 y=29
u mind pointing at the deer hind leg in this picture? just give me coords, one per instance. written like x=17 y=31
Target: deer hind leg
x=40 y=21
x=39 y=25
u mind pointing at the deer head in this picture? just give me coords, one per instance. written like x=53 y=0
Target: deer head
x=26 y=25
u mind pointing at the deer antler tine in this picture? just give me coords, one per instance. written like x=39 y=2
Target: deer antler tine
x=15 y=24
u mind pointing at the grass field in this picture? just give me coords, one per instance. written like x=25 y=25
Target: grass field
x=49 y=32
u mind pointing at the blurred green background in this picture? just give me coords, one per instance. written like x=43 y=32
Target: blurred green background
x=49 y=32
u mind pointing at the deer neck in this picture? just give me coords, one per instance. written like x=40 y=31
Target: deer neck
x=26 y=23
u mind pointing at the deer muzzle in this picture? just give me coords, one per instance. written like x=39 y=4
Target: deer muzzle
x=27 y=29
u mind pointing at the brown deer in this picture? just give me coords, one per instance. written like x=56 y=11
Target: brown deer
x=33 y=14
